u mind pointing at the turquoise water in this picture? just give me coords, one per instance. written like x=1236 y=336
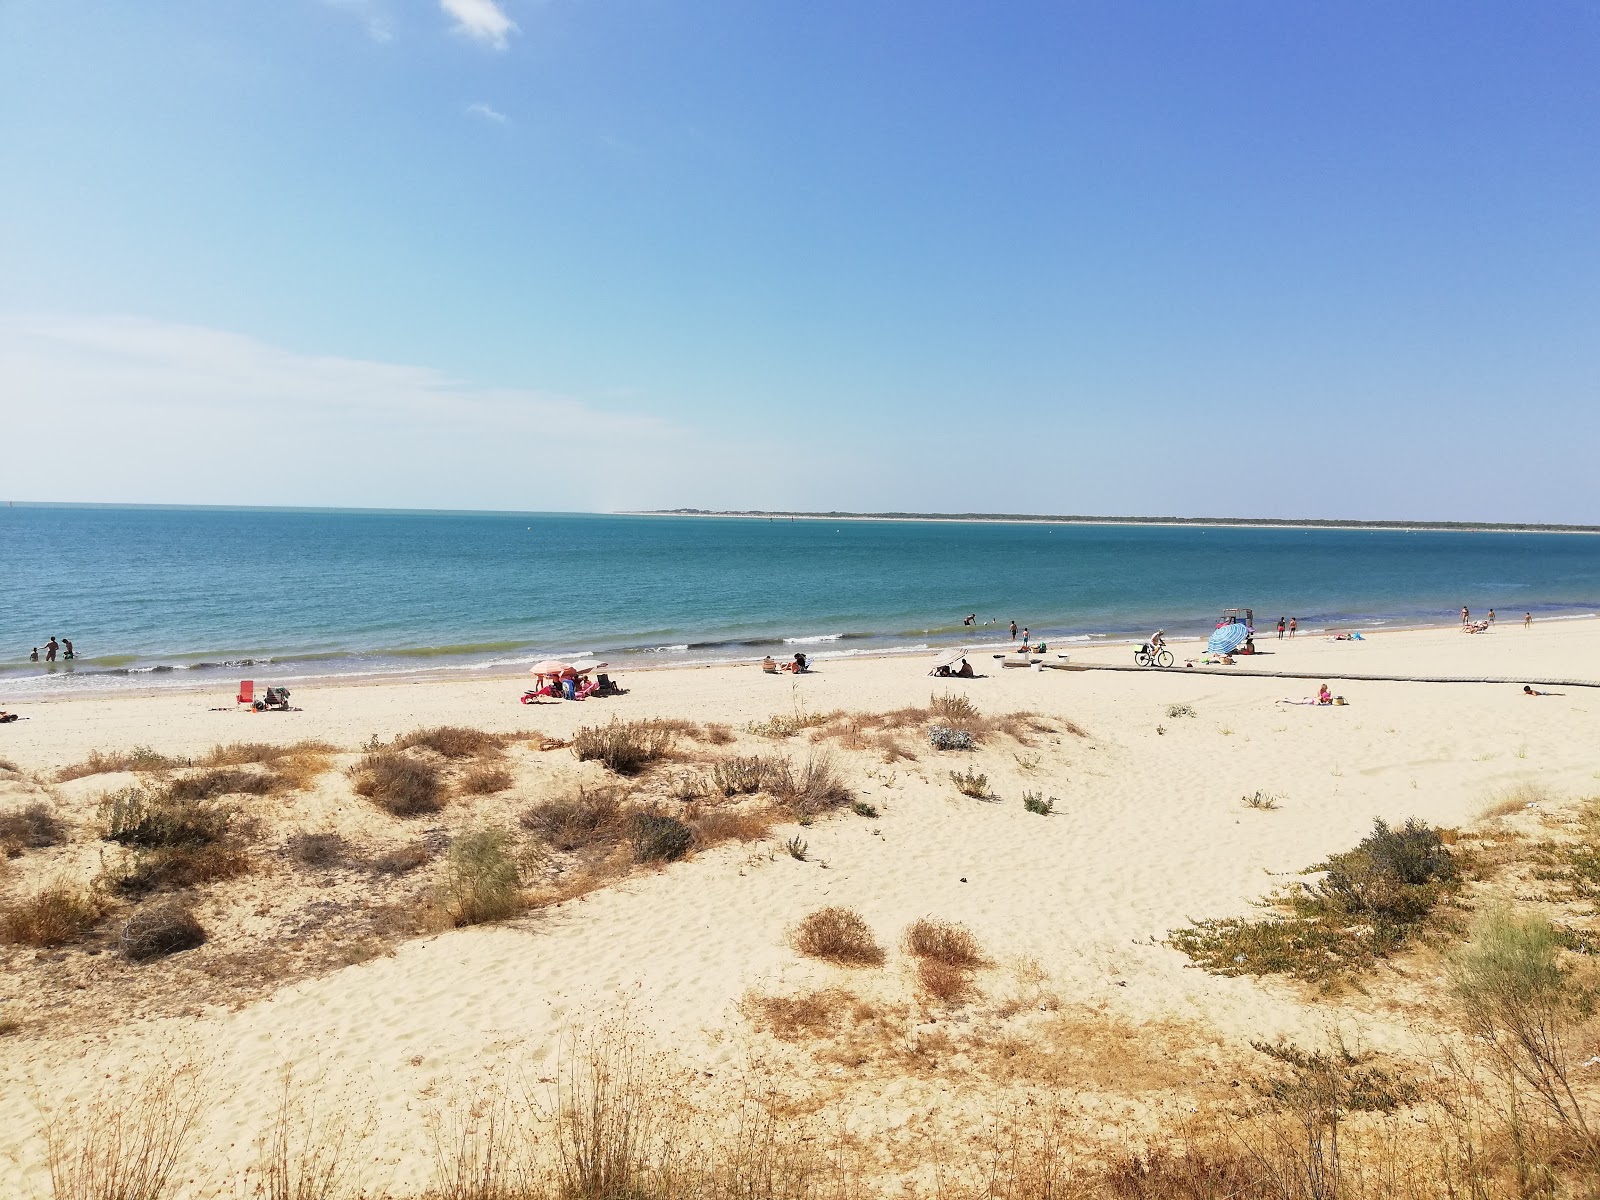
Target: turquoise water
x=185 y=596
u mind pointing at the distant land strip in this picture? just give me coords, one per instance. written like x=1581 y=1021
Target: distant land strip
x=1223 y=522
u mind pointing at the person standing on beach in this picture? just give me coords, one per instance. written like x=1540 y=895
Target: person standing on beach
x=1491 y=616
x=50 y=650
x=1280 y=629
x=1024 y=635
x=1527 y=620
x=1013 y=631
x=1294 y=623
x=1465 y=616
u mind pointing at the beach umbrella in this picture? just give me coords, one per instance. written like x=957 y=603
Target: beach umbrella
x=585 y=668
x=949 y=658
x=1227 y=638
x=548 y=667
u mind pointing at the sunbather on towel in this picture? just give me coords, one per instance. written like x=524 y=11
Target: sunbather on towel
x=769 y=666
x=1529 y=690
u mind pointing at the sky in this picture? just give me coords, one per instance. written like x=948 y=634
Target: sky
x=1228 y=257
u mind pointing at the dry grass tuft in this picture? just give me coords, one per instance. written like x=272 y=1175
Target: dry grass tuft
x=723 y=825
x=318 y=850
x=221 y=781
x=626 y=747
x=742 y=774
x=402 y=860
x=295 y=766
x=584 y=817
x=791 y=1018
x=1514 y=799
x=455 y=741
x=140 y=758
x=485 y=781
x=657 y=837
x=945 y=942
x=30 y=828
x=400 y=785
x=839 y=935
x=160 y=930
x=127 y=1146
x=944 y=982
x=174 y=842
x=716 y=734
x=57 y=914
x=815 y=787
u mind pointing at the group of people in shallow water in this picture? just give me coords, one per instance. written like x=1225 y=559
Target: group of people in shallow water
x=52 y=647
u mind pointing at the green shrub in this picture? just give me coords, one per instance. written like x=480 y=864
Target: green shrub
x=942 y=737
x=796 y=847
x=1180 y=710
x=1035 y=802
x=657 y=837
x=481 y=882
x=970 y=783
x=862 y=809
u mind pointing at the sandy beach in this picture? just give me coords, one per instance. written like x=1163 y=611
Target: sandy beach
x=1072 y=909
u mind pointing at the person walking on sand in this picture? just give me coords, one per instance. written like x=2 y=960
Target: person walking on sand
x=50 y=650
x=1466 y=618
x=1294 y=623
x=1280 y=629
x=1527 y=620
x=1491 y=616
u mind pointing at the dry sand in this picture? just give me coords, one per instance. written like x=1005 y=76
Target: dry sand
x=1073 y=908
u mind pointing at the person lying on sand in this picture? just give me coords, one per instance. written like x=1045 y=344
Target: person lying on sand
x=1529 y=690
x=7 y=717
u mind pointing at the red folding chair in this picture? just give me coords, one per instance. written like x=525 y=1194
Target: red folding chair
x=247 y=693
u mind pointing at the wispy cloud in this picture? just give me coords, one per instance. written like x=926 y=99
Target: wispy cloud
x=371 y=15
x=481 y=20
x=487 y=113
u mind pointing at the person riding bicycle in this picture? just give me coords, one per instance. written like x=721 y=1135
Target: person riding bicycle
x=1156 y=642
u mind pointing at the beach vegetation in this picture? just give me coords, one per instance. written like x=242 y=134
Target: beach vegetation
x=583 y=817
x=942 y=737
x=173 y=841
x=862 y=808
x=741 y=774
x=455 y=741
x=953 y=709
x=401 y=860
x=838 y=935
x=971 y=783
x=657 y=837
x=127 y=1144
x=1175 y=711
x=812 y=787
x=140 y=758
x=57 y=914
x=726 y=824
x=481 y=882
x=219 y=781
x=717 y=734
x=485 y=780
x=1371 y=901
x=1262 y=801
x=944 y=982
x=158 y=930
x=304 y=1154
x=808 y=1014
x=1334 y=1079
x=625 y=747
x=295 y=766
x=318 y=851
x=944 y=941
x=399 y=784
x=797 y=848
x=1036 y=802
x=35 y=826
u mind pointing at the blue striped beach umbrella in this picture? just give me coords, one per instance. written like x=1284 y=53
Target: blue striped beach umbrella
x=1227 y=638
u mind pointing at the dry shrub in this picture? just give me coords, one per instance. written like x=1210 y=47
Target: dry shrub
x=716 y=734
x=812 y=788
x=400 y=785
x=656 y=837
x=222 y=781
x=810 y=1014
x=140 y=758
x=585 y=817
x=172 y=868
x=944 y=982
x=295 y=766
x=1514 y=799
x=30 y=828
x=617 y=1124
x=59 y=913
x=318 y=850
x=160 y=930
x=485 y=781
x=127 y=1145
x=1195 y=1173
x=455 y=741
x=945 y=942
x=626 y=747
x=175 y=842
x=839 y=935
x=402 y=859
x=303 y=1156
x=481 y=882
x=723 y=825
x=956 y=711
x=743 y=774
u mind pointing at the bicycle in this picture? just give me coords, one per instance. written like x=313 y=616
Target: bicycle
x=1148 y=656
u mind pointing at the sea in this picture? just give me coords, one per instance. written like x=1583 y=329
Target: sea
x=157 y=597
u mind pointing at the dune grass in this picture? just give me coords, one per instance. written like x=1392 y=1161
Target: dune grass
x=401 y=785
x=34 y=826
x=625 y=747
x=57 y=914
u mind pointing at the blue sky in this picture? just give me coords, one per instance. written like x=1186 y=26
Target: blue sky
x=1275 y=259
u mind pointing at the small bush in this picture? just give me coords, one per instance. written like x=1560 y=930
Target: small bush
x=172 y=868
x=318 y=850
x=140 y=758
x=481 y=881
x=136 y=818
x=626 y=747
x=160 y=930
x=838 y=935
x=1035 y=802
x=944 y=941
x=812 y=788
x=953 y=710
x=31 y=828
x=862 y=809
x=1333 y=1079
x=1263 y=801
x=586 y=817
x=57 y=914
x=402 y=860
x=796 y=847
x=221 y=781
x=970 y=783
x=943 y=982
x=716 y=734
x=1180 y=710
x=485 y=781
x=741 y=775
x=720 y=825
x=453 y=741
x=793 y=1017
x=942 y=737
x=657 y=837
x=400 y=785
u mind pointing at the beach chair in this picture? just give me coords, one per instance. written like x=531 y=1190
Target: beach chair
x=247 y=693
